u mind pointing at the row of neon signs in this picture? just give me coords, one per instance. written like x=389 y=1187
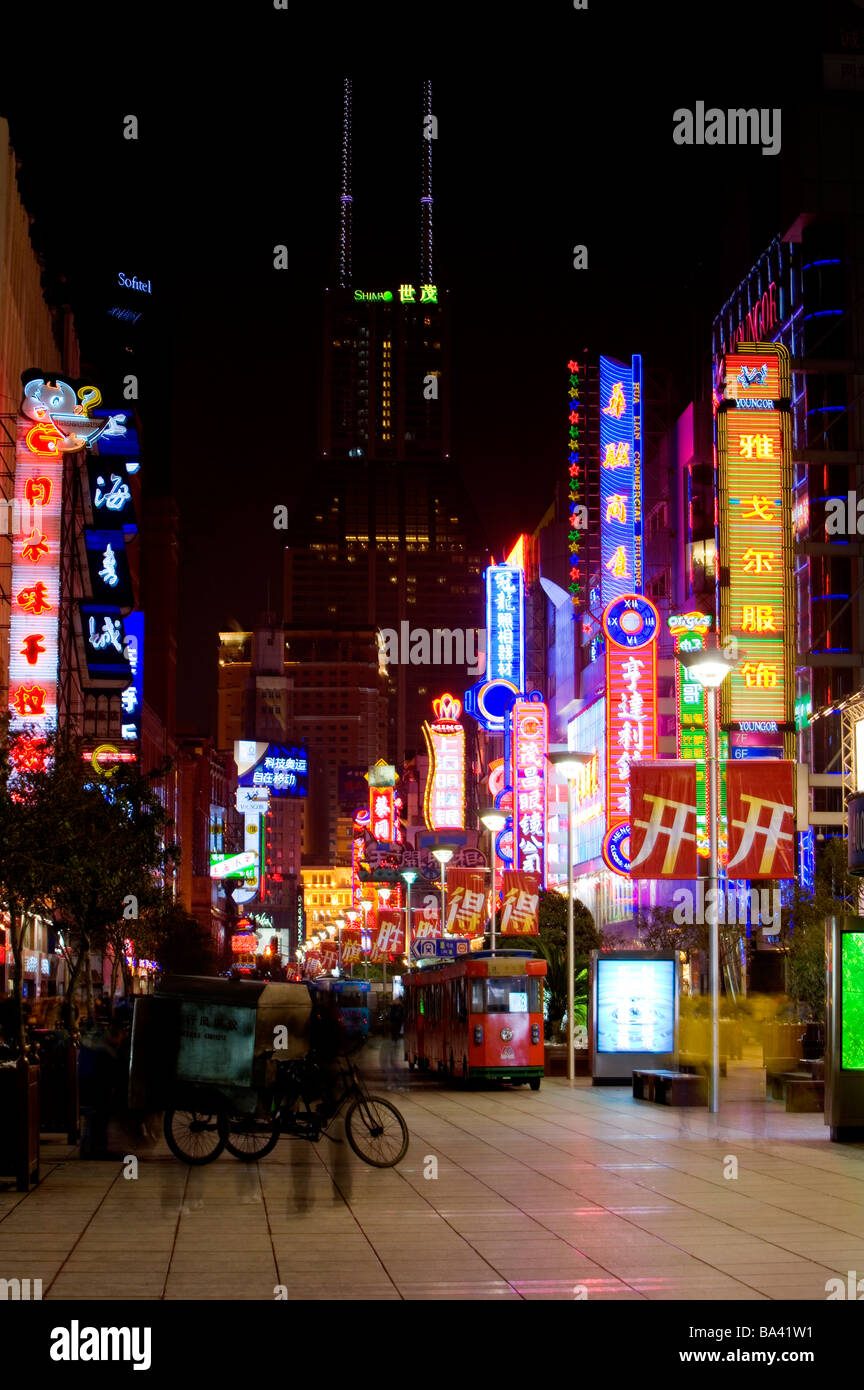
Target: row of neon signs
x=57 y=420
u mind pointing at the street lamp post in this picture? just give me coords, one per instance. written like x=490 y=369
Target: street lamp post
x=568 y=765
x=710 y=667
x=408 y=876
x=365 y=908
x=494 y=821
x=443 y=856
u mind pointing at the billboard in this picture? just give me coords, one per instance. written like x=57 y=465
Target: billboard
x=636 y=1006
x=688 y=631
x=621 y=543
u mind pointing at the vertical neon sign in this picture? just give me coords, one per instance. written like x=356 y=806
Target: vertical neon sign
x=621 y=440
x=527 y=746
x=34 y=623
x=505 y=619
x=755 y=513
x=444 y=798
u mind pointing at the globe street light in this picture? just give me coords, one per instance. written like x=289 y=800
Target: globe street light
x=408 y=876
x=710 y=667
x=443 y=856
x=569 y=765
x=494 y=821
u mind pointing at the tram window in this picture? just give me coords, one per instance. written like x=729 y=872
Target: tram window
x=460 y=1000
x=352 y=999
x=535 y=995
x=507 y=995
x=477 y=997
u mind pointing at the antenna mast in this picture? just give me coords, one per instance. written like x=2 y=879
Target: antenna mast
x=426 y=195
x=346 y=200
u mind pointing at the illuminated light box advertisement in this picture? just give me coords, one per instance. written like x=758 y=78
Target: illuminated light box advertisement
x=621 y=544
x=754 y=444
x=852 y=986
x=284 y=771
x=636 y=1006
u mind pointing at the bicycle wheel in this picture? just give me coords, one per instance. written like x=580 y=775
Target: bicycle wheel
x=195 y=1137
x=250 y=1139
x=376 y=1131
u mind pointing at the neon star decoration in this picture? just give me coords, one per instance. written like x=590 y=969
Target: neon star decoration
x=576 y=446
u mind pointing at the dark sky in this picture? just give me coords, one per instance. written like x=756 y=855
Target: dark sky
x=552 y=134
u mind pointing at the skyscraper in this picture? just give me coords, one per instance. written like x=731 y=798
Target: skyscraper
x=385 y=534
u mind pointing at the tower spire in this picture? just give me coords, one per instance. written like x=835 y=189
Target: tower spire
x=346 y=200
x=426 y=190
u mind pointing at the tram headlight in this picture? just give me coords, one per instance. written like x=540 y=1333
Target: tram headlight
x=535 y=1032
x=478 y=1033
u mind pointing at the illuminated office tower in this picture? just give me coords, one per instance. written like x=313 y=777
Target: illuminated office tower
x=385 y=534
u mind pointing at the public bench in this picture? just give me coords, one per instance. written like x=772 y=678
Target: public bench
x=670 y=1087
x=805 y=1094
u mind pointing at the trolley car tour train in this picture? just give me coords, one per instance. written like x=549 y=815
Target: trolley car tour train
x=477 y=1017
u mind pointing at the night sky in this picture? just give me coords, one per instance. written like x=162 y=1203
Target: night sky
x=550 y=136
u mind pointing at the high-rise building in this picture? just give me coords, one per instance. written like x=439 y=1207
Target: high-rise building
x=327 y=692
x=385 y=536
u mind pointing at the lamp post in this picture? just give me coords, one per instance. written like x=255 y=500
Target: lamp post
x=710 y=667
x=494 y=821
x=365 y=908
x=443 y=856
x=568 y=765
x=408 y=876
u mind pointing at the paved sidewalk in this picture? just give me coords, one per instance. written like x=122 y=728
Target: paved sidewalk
x=537 y=1196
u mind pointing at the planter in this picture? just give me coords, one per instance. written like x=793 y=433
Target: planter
x=555 y=1061
x=19 y=1132
x=58 y=1082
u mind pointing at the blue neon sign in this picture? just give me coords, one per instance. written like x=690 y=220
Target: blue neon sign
x=505 y=625
x=621 y=449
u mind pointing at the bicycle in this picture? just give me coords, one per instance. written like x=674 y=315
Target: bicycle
x=374 y=1128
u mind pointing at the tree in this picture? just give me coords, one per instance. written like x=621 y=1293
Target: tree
x=802 y=924
x=551 y=942
x=108 y=838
